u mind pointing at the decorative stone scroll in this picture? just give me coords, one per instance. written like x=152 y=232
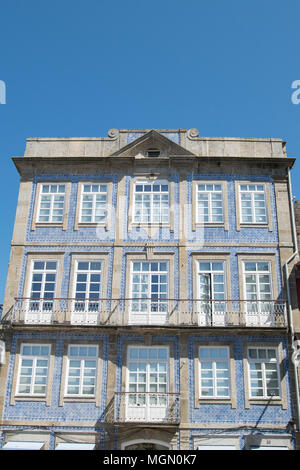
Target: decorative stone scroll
x=193 y=133
x=113 y=133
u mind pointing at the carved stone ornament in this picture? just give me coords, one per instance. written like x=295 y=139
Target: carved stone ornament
x=113 y=133
x=193 y=133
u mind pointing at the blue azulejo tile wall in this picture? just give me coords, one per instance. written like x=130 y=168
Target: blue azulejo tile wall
x=161 y=234
x=88 y=234
x=67 y=252
x=219 y=234
x=233 y=252
x=257 y=414
x=179 y=209
x=72 y=411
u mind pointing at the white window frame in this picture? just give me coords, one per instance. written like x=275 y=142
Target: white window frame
x=209 y=192
x=33 y=376
x=89 y=272
x=148 y=361
x=151 y=193
x=81 y=376
x=210 y=273
x=215 y=396
x=252 y=192
x=44 y=272
x=40 y=314
x=211 y=310
x=94 y=196
x=52 y=196
x=256 y=274
x=148 y=315
x=265 y=396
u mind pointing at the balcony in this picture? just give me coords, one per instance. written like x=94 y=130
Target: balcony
x=145 y=311
x=147 y=407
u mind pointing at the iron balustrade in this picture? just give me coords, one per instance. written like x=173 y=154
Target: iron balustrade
x=149 y=311
x=150 y=407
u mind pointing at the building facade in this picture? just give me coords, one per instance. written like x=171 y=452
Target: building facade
x=146 y=300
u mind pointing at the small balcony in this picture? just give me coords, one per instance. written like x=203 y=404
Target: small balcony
x=149 y=311
x=147 y=407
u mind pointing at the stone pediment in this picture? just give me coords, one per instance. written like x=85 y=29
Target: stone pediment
x=152 y=145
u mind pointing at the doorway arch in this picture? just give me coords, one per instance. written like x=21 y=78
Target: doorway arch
x=145 y=444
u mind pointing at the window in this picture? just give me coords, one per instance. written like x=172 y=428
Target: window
x=209 y=203
x=149 y=287
x=43 y=282
x=253 y=204
x=151 y=202
x=211 y=280
x=147 y=383
x=214 y=372
x=33 y=370
x=93 y=203
x=257 y=281
x=87 y=286
x=153 y=153
x=51 y=203
x=211 y=293
x=260 y=307
x=82 y=370
x=263 y=372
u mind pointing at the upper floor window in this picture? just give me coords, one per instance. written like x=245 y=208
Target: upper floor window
x=257 y=278
x=87 y=286
x=214 y=372
x=33 y=371
x=149 y=286
x=211 y=280
x=263 y=372
x=93 y=204
x=209 y=203
x=151 y=202
x=211 y=306
x=82 y=370
x=253 y=204
x=42 y=287
x=51 y=203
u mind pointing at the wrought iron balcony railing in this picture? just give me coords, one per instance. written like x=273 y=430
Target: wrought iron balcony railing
x=147 y=407
x=149 y=311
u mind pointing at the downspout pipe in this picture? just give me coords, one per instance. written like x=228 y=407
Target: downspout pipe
x=290 y=312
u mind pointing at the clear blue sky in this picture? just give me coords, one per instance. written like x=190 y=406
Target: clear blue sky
x=78 y=68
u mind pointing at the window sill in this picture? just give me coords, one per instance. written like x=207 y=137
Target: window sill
x=49 y=224
x=254 y=224
x=92 y=224
x=30 y=397
x=263 y=401
x=215 y=401
x=79 y=399
x=150 y=224
x=209 y=224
